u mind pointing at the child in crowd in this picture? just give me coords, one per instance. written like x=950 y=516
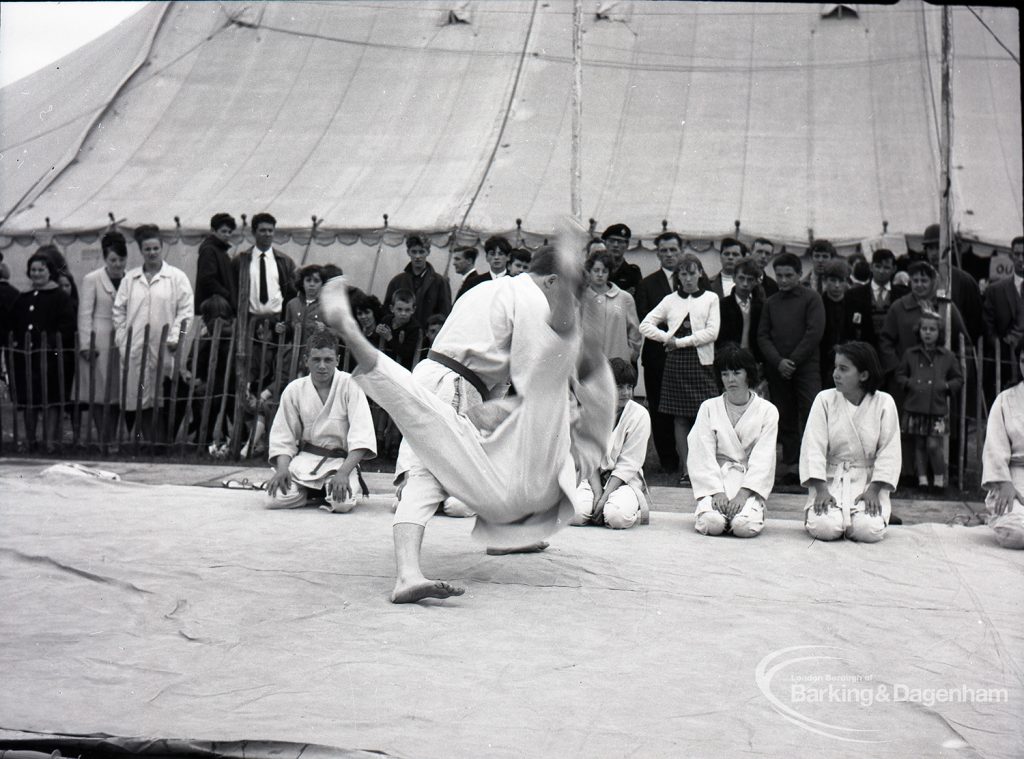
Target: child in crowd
x=434 y=324
x=400 y=334
x=1002 y=471
x=400 y=339
x=850 y=456
x=847 y=315
x=929 y=375
x=519 y=261
x=616 y=494
x=302 y=313
x=732 y=451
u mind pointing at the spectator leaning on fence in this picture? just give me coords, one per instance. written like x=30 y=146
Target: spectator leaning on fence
x=99 y=369
x=43 y=313
x=154 y=295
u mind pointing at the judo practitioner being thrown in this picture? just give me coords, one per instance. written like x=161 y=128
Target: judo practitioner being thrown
x=321 y=431
x=512 y=460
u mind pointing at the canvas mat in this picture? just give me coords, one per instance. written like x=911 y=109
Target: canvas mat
x=194 y=615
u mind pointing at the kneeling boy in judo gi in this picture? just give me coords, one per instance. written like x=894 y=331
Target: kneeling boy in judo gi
x=321 y=431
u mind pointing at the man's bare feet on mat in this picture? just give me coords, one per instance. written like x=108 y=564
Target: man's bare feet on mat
x=532 y=548
x=418 y=591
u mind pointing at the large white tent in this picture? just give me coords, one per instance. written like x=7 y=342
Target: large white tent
x=790 y=119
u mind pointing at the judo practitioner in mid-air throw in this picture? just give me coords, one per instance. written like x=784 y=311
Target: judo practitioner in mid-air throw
x=512 y=460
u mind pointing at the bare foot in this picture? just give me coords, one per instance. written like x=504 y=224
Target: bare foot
x=532 y=548
x=417 y=591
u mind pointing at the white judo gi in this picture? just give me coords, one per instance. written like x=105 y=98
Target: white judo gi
x=723 y=459
x=623 y=458
x=513 y=460
x=849 y=447
x=478 y=335
x=1003 y=461
x=339 y=425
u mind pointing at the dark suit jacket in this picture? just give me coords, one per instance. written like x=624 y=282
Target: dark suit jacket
x=731 y=329
x=627 y=277
x=473 y=279
x=1003 y=311
x=650 y=292
x=850 y=319
x=285 y=275
x=966 y=295
x=433 y=296
x=766 y=289
x=214 y=275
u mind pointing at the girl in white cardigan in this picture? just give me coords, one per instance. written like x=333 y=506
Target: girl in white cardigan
x=687 y=322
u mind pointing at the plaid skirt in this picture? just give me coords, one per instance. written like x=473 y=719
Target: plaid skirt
x=924 y=425
x=686 y=384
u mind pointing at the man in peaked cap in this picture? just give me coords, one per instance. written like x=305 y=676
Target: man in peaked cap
x=960 y=287
x=625 y=275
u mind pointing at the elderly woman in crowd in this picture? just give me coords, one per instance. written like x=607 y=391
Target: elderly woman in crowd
x=687 y=322
x=99 y=368
x=610 y=311
x=156 y=295
x=1002 y=473
x=43 y=313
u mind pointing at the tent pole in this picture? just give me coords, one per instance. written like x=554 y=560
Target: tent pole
x=376 y=258
x=577 y=109
x=945 y=139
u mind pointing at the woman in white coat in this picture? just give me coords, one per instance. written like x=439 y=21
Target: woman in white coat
x=158 y=295
x=732 y=451
x=687 y=322
x=99 y=365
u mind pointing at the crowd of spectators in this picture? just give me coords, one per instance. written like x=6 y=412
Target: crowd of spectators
x=127 y=359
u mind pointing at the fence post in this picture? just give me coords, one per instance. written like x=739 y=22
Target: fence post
x=185 y=342
x=218 y=427
x=122 y=420
x=158 y=387
x=44 y=379
x=211 y=376
x=61 y=377
x=961 y=454
x=243 y=362
x=76 y=392
x=193 y=340
x=979 y=406
x=293 y=365
x=139 y=385
x=93 y=358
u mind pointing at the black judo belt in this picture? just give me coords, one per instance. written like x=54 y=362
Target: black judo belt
x=332 y=453
x=460 y=369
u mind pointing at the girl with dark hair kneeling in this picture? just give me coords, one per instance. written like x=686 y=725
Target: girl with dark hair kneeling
x=850 y=456
x=731 y=458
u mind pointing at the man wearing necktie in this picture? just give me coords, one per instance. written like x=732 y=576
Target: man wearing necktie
x=266 y=282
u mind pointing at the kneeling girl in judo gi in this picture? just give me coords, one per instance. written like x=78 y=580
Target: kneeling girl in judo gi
x=850 y=455
x=731 y=458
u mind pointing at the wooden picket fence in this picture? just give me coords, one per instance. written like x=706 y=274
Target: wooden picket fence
x=211 y=418
x=198 y=407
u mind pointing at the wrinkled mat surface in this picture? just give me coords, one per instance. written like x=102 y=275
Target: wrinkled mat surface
x=191 y=615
